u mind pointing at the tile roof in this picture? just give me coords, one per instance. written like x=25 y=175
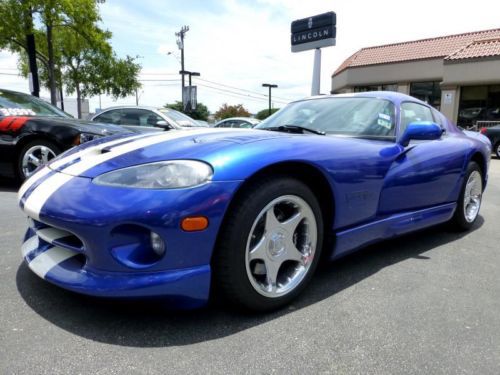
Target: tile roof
x=422 y=49
x=476 y=49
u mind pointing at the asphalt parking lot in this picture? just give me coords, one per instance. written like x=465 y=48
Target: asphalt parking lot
x=426 y=303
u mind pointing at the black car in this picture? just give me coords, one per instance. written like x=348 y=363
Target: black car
x=493 y=134
x=32 y=132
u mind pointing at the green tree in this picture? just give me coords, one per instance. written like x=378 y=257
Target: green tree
x=93 y=69
x=226 y=111
x=262 y=115
x=81 y=16
x=81 y=57
x=200 y=113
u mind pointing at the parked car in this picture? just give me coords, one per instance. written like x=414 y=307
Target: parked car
x=249 y=212
x=32 y=132
x=145 y=119
x=237 y=122
x=493 y=135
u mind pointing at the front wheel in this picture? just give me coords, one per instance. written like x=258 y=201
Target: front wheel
x=270 y=245
x=33 y=155
x=497 y=150
x=469 y=202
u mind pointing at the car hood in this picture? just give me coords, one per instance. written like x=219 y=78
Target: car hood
x=82 y=126
x=100 y=157
x=234 y=154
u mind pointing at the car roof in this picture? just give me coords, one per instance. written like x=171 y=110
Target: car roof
x=131 y=106
x=249 y=119
x=393 y=96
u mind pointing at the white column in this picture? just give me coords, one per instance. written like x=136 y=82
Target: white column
x=316 y=72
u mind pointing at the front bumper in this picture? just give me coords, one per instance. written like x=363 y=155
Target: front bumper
x=90 y=239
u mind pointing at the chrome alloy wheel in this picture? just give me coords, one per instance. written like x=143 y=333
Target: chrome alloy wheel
x=34 y=157
x=472 y=196
x=281 y=246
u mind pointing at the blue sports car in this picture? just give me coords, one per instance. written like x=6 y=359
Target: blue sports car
x=249 y=211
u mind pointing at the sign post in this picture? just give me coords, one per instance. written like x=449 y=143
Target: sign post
x=314 y=33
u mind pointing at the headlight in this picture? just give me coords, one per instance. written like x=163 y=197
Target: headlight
x=161 y=175
x=86 y=137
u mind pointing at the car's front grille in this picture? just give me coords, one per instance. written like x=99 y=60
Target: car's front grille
x=57 y=237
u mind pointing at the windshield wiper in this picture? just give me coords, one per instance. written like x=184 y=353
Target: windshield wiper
x=294 y=128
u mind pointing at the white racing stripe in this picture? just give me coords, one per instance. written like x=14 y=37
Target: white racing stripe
x=45 y=171
x=42 y=193
x=51 y=234
x=30 y=245
x=44 y=262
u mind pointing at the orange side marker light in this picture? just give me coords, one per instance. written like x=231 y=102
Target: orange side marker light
x=194 y=223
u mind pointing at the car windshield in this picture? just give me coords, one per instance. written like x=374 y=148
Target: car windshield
x=348 y=116
x=178 y=117
x=15 y=104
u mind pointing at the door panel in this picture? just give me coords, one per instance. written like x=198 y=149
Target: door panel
x=426 y=175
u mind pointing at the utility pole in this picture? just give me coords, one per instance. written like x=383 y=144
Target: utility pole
x=180 y=43
x=136 y=97
x=270 y=86
x=31 y=49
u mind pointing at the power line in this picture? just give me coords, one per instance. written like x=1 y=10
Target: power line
x=237 y=88
x=159 y=80
x=159 y=74
x=233 y=93
x=224 y=85
x=235 y=96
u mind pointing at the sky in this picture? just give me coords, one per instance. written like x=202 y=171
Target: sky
x=238 y=45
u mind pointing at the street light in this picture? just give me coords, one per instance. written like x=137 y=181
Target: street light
x=271 y=86
x=180 y=43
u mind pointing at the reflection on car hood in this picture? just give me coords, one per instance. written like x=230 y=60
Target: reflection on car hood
x=81 y=125
x=151 y=147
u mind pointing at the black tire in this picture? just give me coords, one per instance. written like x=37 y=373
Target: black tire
x=496 y=149
x=459 y=221
x=20 y=174
x=229 y=261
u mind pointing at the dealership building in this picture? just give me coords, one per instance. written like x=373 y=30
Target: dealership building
x=457 y=74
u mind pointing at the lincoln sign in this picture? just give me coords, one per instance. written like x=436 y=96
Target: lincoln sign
x=314 y=32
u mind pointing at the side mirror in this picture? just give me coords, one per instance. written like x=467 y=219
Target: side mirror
x=421 y=130
x=162 y=124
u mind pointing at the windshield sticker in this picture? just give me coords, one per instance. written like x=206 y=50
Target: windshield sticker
x=17 y=112
x=384 y=123
x=384 y=117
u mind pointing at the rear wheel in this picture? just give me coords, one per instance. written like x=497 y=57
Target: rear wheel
x=34 y=154
x=469 y=202
x=270 y=245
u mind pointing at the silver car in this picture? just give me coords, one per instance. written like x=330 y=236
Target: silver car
x=237 y=122
x=145 y=119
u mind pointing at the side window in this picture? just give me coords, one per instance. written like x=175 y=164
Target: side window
x=109 y=117
x=438 y=118
x=151 y=119
x=414 y=112
x=238 y=124
x=226 y=124
x=245 y=125
x=139 y=117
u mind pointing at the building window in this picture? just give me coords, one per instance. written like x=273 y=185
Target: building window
x=390 y=87
x=478 y=103
x=429 y=92
x=366 y=88
x=383 y=87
